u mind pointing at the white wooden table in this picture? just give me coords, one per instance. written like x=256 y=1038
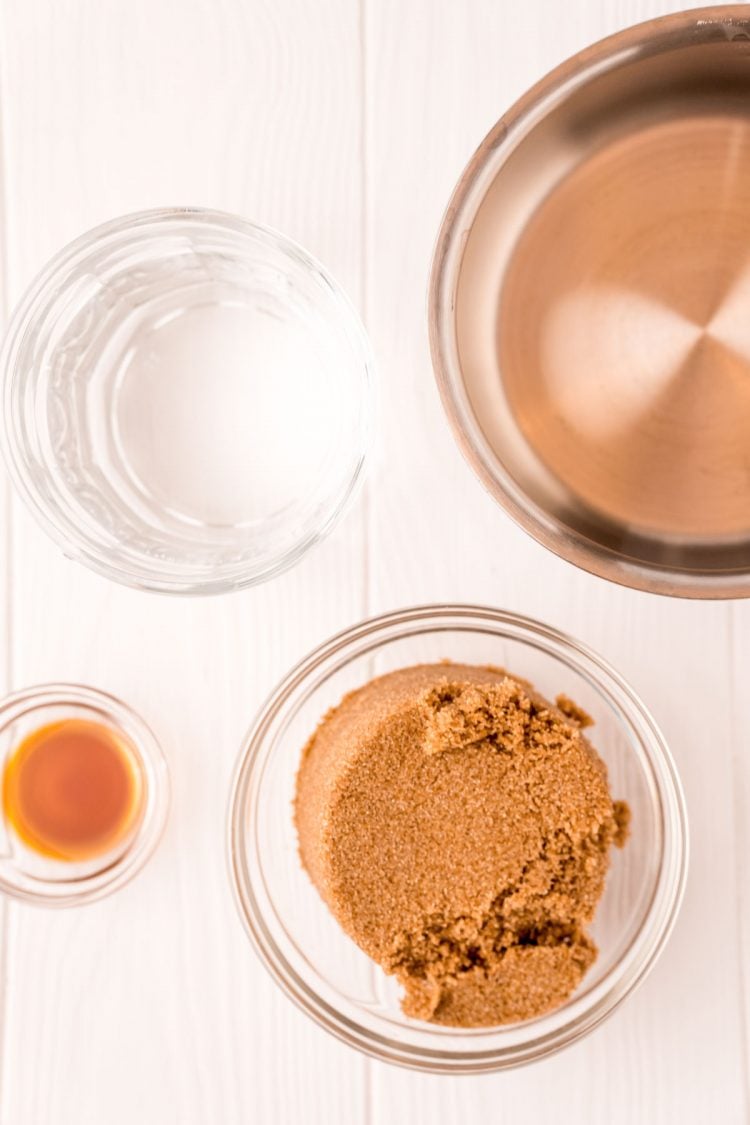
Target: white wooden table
x=344 y=124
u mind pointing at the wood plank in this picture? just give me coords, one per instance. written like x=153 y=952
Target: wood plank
x=150 y=1006
x=6 y=623
x=439 y=75
x=738 y=658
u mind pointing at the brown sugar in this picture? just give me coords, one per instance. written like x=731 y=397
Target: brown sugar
x=458 y=827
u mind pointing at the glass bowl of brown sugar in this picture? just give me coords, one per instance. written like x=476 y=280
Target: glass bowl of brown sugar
x=286 y=913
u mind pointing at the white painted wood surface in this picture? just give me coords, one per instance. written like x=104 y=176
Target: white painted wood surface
x=346 y=125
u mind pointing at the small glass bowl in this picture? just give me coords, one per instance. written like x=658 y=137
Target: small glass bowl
x=301 y=944
x=187 y=401
x=27 y=875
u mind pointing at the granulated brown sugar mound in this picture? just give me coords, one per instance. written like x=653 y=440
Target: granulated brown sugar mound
x=458 y=826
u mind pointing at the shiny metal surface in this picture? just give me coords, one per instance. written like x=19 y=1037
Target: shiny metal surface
x=590 y=307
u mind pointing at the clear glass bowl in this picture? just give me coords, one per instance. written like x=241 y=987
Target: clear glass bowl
x=27 y=875
x=559 y=357
x=301 y=944
x=187 y=401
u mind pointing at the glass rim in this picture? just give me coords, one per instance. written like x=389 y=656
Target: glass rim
x=658 y=920
x=653 y=36
x=156 y=796
x=63 y=529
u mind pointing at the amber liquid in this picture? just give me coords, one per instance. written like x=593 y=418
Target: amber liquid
x=624 y=329
x=72 y=790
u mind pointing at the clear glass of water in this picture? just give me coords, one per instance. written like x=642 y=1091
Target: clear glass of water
x=188 y=401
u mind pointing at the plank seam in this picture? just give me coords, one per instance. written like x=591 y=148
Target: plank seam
x=364 y=246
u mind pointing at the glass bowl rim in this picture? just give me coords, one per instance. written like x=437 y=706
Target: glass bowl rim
x=653 y=36
x=48 y=514
x=670 y=882
x=121 y=716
